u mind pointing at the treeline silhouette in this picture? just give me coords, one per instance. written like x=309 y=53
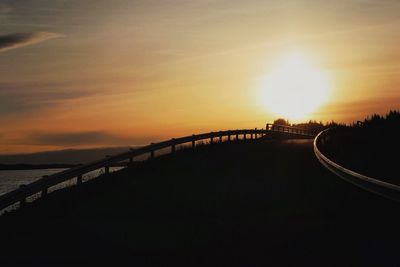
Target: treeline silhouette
x=312 y=125
x=369 y=147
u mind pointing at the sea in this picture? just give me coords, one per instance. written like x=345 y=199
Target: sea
x=12 y=179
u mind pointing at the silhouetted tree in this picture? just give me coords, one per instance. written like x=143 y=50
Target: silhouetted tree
x=282 y=121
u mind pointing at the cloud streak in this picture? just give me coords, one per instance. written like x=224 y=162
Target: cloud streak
x=17 y=40
x=23 y=98
x=4 y=9
x=72 y=139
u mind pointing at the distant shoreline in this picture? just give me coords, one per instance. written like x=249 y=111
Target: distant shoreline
x=19 y=167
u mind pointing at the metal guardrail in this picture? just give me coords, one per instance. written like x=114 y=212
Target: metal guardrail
x=42 y=185
x=374 y=185
x=291 y=130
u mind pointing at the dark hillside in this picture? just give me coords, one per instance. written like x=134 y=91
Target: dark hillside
x=370 y=148
x=262 y=203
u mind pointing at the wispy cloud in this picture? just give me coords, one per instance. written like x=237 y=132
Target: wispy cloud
x=16 y=40
x=22 y=98
x=72 y=139
x=4 y=9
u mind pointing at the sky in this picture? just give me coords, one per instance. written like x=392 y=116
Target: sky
x=110 y=73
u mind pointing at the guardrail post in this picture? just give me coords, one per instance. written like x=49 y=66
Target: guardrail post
x=220 y=138
x=193 y=141
x=44 y=190
x=107 y=168
x=237 y=136
x=22 y=202
x=173 y=146
x=130 y=160
x=79 y=179
x=152 y=152
x=244 y=136
x=211 y=139
x=229 y=137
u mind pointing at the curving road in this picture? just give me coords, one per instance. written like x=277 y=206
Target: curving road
x=244 y=204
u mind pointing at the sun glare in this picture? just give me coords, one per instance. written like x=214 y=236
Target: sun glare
x=295 y=87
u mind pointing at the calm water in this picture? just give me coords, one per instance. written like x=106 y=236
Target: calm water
x=12 y=179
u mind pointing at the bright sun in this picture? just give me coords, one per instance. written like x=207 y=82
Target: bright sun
x=295 y=87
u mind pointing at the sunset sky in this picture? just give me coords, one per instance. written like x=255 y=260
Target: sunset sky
x=103 y=73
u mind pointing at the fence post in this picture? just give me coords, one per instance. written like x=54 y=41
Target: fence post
x=193 y=142
x=244 y=136
x=237 y=136
x=107 y=169
x=130 y=160
x=229 y=136
x=220 y=137
x=211 y=138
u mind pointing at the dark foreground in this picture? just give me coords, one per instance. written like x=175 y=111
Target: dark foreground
x=372 y=152
x=246 y=204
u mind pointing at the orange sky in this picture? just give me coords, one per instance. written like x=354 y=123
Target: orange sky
x=98 y=73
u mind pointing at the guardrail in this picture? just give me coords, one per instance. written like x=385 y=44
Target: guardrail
x=291 y=130
x=374 y=185
x=42 y=185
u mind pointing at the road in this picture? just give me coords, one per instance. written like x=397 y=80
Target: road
x=246 y=204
